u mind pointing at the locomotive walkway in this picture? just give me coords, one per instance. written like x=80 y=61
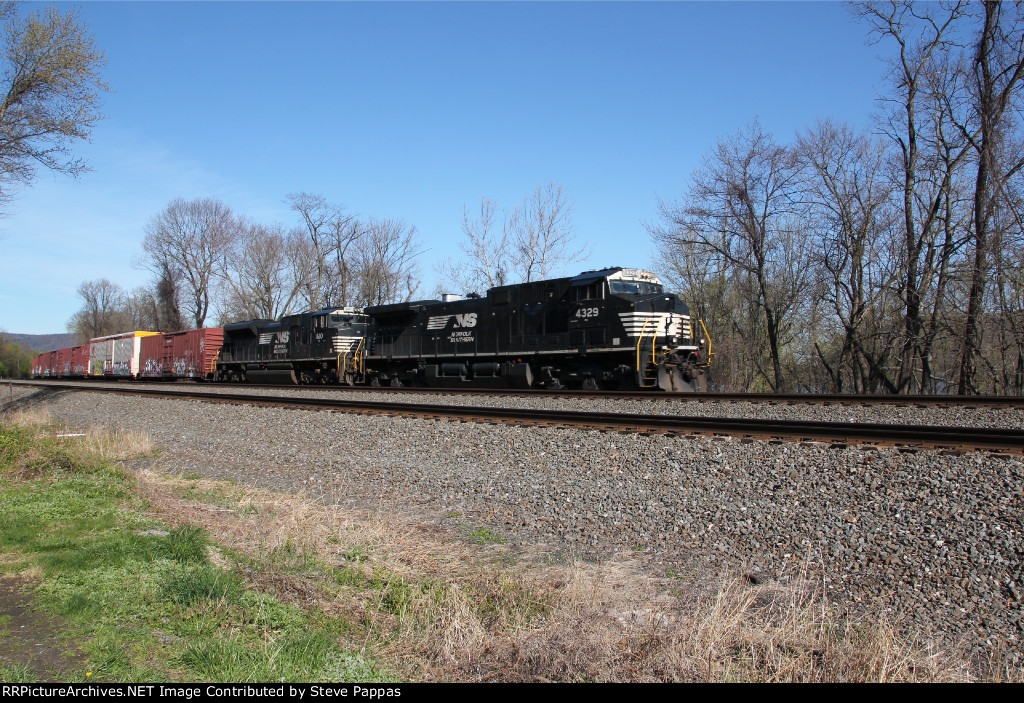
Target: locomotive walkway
x=837 y=434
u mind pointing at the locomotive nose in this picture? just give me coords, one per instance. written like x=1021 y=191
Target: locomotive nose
x=679 y=306
x=663 y=302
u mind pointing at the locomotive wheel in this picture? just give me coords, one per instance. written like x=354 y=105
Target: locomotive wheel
x=589 y=384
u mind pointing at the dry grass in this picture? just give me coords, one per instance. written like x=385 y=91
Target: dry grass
x=25 y=419
x=117 y=445
x=789 y=633
x=111 y=445
x=442 y=608
x=445 y=609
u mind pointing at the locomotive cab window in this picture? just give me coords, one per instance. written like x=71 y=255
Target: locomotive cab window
x=635 y=287
x=591 y=291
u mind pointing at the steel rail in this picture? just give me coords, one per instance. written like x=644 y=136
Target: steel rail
x=1011 y=401
x=840 y=433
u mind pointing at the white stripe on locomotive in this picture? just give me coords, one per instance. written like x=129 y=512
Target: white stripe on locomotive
x=647 y=323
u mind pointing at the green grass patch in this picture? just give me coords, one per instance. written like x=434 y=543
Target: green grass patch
x=16 y=673
x=483 y=535
x=140 y=602
x=356 y=554
x=222 y=496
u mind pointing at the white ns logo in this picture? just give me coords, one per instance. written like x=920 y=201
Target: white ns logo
x=466 y=320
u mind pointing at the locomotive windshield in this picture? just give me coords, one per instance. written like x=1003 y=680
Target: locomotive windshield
x=635 y=287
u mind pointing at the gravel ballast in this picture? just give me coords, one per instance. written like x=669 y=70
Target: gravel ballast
x=934 y=538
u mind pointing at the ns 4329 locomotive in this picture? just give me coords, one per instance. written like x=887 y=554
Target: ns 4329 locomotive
x=614 y=328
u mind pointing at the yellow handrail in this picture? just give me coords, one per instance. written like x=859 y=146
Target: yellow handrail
x=359 y=355
x=707 y=337
x=639 y=341
x=358 y=359
x=654 y=345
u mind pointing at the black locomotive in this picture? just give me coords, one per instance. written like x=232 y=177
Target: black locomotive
x=326 y=346
x=614 y=328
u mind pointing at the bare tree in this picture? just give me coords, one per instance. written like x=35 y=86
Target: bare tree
x=997 y=76
x=346 y=234
x=486 y=256
x=537 y=239
x=541 y=235
x=142 y=311
x=331 y=232
x=929 y=160
x=743 y=208
x=1008 y=280
x=302 y=268
x=50 y=92
x=257 y=275
x=190 y=239
x=102 y=311
x=848 y=185
x=387 y=262
x=913 y=241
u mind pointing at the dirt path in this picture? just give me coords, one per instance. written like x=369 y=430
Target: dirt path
x=33 y=638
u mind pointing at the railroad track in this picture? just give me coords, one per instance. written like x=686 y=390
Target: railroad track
x=838 y=434
x=920 y=401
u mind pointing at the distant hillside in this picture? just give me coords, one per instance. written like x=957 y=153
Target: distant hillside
x=42 y=342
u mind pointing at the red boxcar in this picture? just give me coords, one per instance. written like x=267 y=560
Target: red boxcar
x=63 y=363
x=186 y=354
x=49 y=364
x=80 y=361
x=156 y=354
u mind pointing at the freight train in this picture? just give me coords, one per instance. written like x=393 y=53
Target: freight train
x=615 y=328
x=189 y=354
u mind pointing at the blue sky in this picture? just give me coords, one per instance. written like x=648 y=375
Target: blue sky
x=415 y=110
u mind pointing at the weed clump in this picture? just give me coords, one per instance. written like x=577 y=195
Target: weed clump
x=199 y=584
x=187 y=544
